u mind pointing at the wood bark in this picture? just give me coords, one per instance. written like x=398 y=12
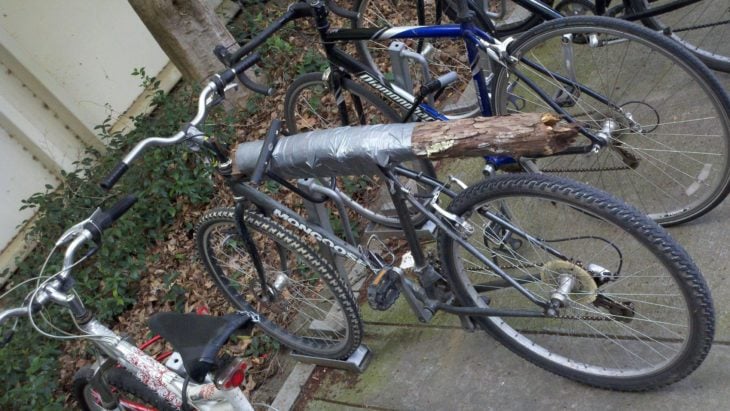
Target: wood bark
x=517 y=135
x=187 y=31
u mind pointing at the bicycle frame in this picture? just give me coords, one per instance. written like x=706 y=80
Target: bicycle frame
x=246 y=194
x=163 y=381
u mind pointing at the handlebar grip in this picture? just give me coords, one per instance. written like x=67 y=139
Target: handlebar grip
x=246 y=63
x=108 y=217
x=114 y=176
x=447 y=79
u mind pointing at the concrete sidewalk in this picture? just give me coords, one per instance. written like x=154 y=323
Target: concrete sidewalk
x=440 y=366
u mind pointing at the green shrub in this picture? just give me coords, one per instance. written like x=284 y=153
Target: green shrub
x=165 y=180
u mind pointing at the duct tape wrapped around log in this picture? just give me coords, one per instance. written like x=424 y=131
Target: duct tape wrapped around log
x=360 y=150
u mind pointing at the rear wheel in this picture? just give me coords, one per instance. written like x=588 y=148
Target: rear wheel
x=636 y=313
x=665 y=116
x=305 y=304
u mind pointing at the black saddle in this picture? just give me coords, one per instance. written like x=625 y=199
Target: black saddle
x=198 y=338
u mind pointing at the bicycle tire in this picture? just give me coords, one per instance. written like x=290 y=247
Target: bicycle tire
x=696 y=27
x=510 y=26
x=122 y=381
x=640 y=320
x=312 y=86
x=668 y=150
x=313 y=312
x=296 y=122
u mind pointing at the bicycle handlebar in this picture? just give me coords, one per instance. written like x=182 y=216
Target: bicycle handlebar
x=295 y=11
x=206 y=99
x=104 y=219
x=57 y=289
x=12 y=313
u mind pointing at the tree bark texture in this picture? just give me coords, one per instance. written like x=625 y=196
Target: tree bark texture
x=187 y=31
x=517 y=135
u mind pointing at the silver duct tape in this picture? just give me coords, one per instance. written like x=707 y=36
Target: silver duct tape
x=333 y=152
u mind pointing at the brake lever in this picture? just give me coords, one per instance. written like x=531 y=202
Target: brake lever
x=72 y=232
x=215 y=99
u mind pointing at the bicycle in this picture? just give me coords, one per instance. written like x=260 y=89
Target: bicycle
x=584 y=266
x=693 y=23
x=123 y=374
x=660 y=147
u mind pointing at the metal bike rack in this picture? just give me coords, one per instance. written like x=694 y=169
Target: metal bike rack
x=400 y=58
x=356 y=362
x=318 y=214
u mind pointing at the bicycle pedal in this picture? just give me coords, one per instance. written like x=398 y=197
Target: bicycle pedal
x=380 y=251
x=383 y=290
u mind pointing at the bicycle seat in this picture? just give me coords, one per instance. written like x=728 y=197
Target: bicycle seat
x=198 y=338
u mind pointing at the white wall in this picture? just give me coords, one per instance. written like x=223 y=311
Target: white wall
x=65 y=65
x=16 y=186
x=82 y=51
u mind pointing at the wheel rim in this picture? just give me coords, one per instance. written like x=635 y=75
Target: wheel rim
x=667 y=159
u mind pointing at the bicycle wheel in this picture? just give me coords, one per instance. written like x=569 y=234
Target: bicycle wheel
x=638 y=315
x=664 y=116
x=702 y=27
x=128 y=389
x=508 y=18
x=312 y=310
x=309 y=104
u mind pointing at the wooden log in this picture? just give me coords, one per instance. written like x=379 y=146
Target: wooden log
x=516 y=135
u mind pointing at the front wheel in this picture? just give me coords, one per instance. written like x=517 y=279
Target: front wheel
x=635 y=312
x=702 y=27
x=664 y=116
x=304 y=303
x=131 y=392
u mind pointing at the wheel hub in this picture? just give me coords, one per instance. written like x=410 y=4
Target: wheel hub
x=582 y=287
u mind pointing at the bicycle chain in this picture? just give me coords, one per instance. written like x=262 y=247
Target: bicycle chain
x=583 y=170
x=701 y=26
x=574 y=317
